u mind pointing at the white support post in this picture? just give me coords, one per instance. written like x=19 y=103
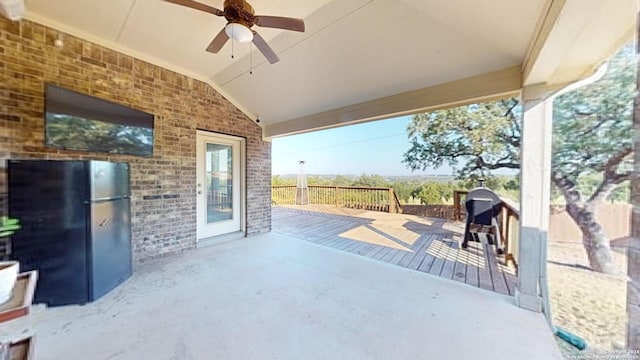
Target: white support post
x=535 y=184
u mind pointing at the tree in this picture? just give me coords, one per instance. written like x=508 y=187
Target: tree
x=483 y=137
x=405 y=189
x=277 y=180
x=633 y=251
x=430 y=193
x=370 y=181
x=77 y=133
x=593 y=136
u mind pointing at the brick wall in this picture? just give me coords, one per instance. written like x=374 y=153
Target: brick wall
x=163 y=187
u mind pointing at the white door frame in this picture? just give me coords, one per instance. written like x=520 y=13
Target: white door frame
x=203 y=230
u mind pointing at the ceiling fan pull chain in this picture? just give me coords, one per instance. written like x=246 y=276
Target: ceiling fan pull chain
x=250 y=59
x=232 y=42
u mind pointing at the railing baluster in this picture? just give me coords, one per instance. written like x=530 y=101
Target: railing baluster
x=374 y=199
x=511 y=234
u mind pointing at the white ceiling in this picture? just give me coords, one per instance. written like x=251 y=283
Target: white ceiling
x=353 y=51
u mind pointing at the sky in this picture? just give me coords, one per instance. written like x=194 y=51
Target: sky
x=373 y=148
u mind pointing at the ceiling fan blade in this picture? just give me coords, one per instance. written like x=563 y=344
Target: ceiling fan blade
x=265 y=49
x=280 y=22
x=218 y=42
x=198 y=6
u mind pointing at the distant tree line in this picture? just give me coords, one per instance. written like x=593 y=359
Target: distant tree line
x=412 y=190
x=430 y=191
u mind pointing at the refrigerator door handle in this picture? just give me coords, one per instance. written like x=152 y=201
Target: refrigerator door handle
x=104 y=222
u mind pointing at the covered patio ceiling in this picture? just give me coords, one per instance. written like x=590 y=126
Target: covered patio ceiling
x=361 y=60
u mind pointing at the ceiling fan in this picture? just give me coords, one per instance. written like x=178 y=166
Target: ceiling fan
x=240 y=19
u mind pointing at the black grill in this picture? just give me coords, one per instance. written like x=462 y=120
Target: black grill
x=483 y=207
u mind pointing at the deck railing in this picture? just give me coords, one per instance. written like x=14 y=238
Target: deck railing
x=365 y=198
x=509 y=219
x=510 y=229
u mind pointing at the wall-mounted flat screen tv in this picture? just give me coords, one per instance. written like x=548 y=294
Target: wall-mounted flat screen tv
x=77 y=121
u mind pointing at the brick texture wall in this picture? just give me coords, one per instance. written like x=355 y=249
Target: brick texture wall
x=163 y=186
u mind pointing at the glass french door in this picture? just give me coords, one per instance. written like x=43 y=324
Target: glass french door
x=219 y=184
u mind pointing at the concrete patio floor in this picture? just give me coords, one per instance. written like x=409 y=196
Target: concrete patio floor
x=275 y=297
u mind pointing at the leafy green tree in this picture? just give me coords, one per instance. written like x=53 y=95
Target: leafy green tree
x=71 y=132
x=593 y=128
x=277 y=180
x=633 y=252
x=316 y=180
x=621 y=194
x=593 y=136
x=371 y=181
x=341 y=180
x=481 y=137
x=447 y=191
x=405 y=189
x=434 y=193
x=512 y=184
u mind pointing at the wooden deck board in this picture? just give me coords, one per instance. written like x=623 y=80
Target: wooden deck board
x=447 y=269
x=460 y=269
x=362 y=249
x=397 y=257
x=422 y=262
x=373 y=252
x=472 y=266
x=390 y=255
x=510 y=279
x=499 y=281
x=413 y=242
x=425 y=239
x=422 y=254
x=353 y=245
x=436 y=266
x=338 y=243
x=382 y=253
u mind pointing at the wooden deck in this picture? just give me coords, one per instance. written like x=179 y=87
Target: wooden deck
x=424 y=244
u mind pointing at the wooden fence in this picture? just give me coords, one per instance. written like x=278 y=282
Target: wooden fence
x=365 y=198
x=437 y=211
x=615 y=220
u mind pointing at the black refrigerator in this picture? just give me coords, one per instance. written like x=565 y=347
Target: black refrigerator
x=76 y=226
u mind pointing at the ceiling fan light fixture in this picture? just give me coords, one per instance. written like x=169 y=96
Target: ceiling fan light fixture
x=239 y=32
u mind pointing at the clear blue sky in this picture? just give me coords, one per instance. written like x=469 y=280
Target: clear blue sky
x=373 y=148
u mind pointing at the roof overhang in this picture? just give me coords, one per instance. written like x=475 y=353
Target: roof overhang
x=362 y=60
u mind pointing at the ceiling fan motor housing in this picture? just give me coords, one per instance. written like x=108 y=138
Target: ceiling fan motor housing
x=241 y=18
x=240 y=12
